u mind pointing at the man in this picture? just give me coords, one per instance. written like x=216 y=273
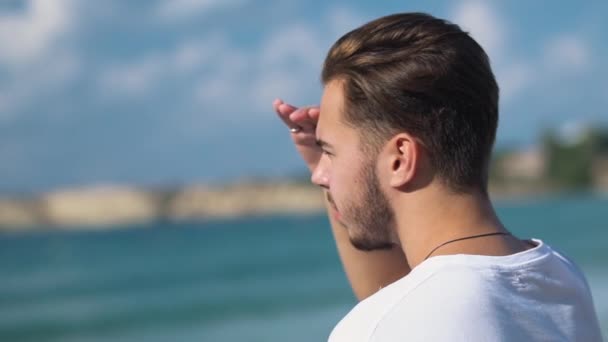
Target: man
x=401 y=145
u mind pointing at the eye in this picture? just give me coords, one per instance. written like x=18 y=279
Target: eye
x=325 y=152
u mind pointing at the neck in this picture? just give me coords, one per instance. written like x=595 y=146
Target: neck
x=427 y=218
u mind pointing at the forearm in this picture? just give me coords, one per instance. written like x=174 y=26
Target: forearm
x=367 y=272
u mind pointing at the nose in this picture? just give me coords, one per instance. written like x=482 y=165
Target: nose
x=320 y=176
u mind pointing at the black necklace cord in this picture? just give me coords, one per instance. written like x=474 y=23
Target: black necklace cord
x=465 y=238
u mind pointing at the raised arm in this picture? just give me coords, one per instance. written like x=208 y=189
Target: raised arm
x=367 y=272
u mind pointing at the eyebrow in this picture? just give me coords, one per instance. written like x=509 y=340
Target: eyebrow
x=322 y=143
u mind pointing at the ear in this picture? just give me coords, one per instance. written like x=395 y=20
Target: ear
x=403 y=152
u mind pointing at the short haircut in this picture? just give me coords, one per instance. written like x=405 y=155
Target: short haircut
x=416 y=73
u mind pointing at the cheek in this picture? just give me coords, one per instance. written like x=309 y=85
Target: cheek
x=344 y=181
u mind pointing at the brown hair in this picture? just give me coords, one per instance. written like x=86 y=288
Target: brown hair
x=413 y=72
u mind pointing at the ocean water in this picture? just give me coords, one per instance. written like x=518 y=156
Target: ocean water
x=256 y=279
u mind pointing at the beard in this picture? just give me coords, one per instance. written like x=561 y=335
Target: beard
x=372 y=217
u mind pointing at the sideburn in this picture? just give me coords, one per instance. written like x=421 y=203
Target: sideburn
x=374 y=216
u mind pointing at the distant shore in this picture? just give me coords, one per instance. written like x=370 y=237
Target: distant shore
x=108 y=206
x=553 y=166
x=113 y=206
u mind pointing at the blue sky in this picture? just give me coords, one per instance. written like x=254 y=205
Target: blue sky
x=180 y=91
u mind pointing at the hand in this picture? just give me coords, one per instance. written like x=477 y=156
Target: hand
x=305 y=140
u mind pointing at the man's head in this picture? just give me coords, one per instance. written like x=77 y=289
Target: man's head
x=408 y=99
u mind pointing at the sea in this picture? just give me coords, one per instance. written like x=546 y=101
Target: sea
x=275 y=278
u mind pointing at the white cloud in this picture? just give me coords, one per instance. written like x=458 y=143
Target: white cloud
x=140 y=76
x=514 y=78
x=286 y=65
x=173 y=10
x=225 y=85
x=37 y=63
x=190 y=55
x=484 y=25
x=29 y=35
x=567 y=53
x=295 y=44
x=286 y=85
x=289 y=64
x=561 y=55
x=135 y=78
x=342 y=20
x=37 y=81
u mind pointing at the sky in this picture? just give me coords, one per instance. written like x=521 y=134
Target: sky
x=163 y=93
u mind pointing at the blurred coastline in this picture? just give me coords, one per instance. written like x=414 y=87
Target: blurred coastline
x=577 y=162
x=103 y=207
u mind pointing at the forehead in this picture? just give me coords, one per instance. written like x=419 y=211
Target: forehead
x=332 y=104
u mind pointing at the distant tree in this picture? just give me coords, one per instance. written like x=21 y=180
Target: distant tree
x=599 y=140
x=569 y=164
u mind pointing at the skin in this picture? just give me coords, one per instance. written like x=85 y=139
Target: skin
x=367 y=271
x=392 y=199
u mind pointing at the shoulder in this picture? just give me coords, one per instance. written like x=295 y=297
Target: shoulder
x=450 y=290
x=475 y=298
x=454 y=304
x=361 y=321
x=414 y=303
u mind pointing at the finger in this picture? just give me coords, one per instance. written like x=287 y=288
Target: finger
x=276 y=103
x=284 y=110
x=314 y=113
x=295 y=117
x=302 y=119
x=307 y=118
x=310 y=114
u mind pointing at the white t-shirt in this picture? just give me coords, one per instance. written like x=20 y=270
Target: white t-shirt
x=534 y=295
